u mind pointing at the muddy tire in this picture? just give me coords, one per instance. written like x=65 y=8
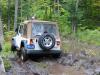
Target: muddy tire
x=23 y=55
x=19 y=54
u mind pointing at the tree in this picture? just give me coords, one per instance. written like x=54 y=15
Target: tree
x=9 y=15
x=1 y=28
x=16 y=14
x=75 y=17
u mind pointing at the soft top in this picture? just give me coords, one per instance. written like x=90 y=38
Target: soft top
x=38 y=21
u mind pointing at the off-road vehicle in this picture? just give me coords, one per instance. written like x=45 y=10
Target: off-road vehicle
x=37 y=38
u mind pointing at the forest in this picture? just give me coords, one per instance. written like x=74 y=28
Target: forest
x=81 y=17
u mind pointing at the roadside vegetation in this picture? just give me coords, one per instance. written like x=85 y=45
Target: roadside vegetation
x=90 y=36
x=73 y=16
x=6 y=52
x=7 y=44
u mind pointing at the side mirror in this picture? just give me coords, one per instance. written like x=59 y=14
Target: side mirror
x=16 y=30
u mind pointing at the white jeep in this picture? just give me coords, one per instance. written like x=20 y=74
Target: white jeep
x=36 y=37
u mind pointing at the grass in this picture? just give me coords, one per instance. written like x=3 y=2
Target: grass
x=7 y=64
x=75 y=46
x=6 y=50
x=90 y=36
x=5 y=54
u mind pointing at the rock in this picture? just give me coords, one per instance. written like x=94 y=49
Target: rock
x=97 y=71
x=68 y=59
x=89 y=72
x=83 y=55
x=79 y=64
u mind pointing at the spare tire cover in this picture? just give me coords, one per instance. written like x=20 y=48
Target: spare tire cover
x=46 y=41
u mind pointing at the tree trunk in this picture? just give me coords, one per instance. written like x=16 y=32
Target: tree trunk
x=9 y=15
x=1 y=28
x=56 y=9
x=74 y=24
x=75 y=18
x=16 y=14
x=58 y=5
x=21 y=10
x=0 y=9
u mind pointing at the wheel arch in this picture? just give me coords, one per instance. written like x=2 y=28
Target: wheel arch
x=22 y=43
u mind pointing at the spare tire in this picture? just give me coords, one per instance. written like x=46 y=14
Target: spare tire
x=46 y=41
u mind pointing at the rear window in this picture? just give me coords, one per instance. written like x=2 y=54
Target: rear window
x=40 y=28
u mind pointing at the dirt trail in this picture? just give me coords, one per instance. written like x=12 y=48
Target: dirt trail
x=42 y=66
x=68 y=64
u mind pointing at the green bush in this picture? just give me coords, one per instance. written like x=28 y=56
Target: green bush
x=8 y=35
x=7 y=64
x=90 y=36
x=6 y=50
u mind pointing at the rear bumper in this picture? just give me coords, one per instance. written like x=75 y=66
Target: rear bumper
x=43 y=52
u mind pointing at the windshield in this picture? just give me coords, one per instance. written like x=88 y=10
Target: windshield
x=40 y=28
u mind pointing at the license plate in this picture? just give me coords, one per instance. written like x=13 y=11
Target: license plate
x=30 y=46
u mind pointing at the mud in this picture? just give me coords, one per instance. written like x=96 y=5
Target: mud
x=68 y=64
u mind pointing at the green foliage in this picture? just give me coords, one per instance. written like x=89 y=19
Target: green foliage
x=4 y=5
x=90 y=36
x=7 y=64
x=8 y=35
x=61 y=12
x=64 y=25
x=6 y=50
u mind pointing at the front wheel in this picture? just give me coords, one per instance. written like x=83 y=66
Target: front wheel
x=23 y=55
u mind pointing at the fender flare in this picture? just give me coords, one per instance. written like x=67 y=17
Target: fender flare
x=23 y=43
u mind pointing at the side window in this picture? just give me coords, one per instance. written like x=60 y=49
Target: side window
x=37 y=29
x=21 y=29
x=25 y=30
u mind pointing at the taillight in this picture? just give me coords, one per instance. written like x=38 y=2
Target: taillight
x=58 y=42
x=31 y=41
